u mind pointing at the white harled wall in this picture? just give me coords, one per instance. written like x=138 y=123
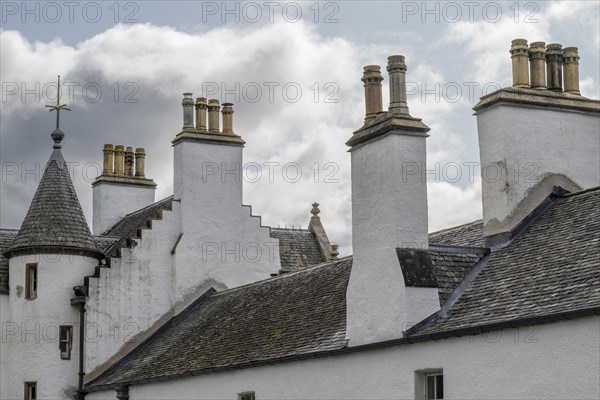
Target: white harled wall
x=112 y=201
x=222 y=246
x=526 y=150
x=31 y=348
x=552 y=361
x=221 y=240
x=389 y=211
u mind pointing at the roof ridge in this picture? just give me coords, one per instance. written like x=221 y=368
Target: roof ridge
x=580 y=192
x=286 y=275
x=455 y=227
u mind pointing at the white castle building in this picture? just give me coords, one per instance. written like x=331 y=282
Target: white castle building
x=191 y=297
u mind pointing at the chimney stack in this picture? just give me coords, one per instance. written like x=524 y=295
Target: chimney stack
x=571 y=70
x=227 y=112
x=537 y=65
x=188 y=111
x=122 y=190
x=119 y=159
x=389 y=213
x=213 y=115
x=140 y=157
x=109 y=156
x=554 y=62
x=201 y=113
x=520 y=67
x=373 y=98
x=561 y=138
x=397 y=71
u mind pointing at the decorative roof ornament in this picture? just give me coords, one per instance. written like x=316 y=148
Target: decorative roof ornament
x=57 y=135
x=315 y=210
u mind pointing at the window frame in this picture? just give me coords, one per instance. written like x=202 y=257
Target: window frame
x=31 y=281
x=27 y=391
x=435 y=375
x=247 y=395
x=66 y=354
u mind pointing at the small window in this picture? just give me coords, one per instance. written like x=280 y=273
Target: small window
x=31 y=281
x=30 y=391
x=246 y=396
x=434 y=385
x=66 y=342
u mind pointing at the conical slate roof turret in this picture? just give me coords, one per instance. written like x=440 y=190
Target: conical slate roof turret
x=55 y=222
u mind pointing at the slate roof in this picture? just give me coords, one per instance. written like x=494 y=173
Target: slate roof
x=132 y=224
x=450 y=269
x=470 y=235
x=553 y=267
x=550 y=271
x=291 y=314
x=7 y=236
x=55 y=219
x=298 y=248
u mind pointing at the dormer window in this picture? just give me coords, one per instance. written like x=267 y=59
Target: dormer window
x=31 y=281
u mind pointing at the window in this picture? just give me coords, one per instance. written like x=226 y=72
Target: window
x=30 y=391
x=429 y=384
x=65 y=342
x=31 y=281
x=434 y=385
x=246 y=396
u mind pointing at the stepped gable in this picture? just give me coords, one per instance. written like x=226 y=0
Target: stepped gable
x=131 y=225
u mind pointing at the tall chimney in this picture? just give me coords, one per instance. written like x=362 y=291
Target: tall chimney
x=109 y=156
x=389 y=217
x=518 y=53
x=140 y=162
x=201 y=113
x=213 y=115
x=554 y=62
x=537 y=65
x=119 y=160
x=188 y=111
x=227 y=112
x=373 y=98
x=571 y=70
x=397 y=71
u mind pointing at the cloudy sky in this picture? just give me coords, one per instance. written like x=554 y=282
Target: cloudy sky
x=293 y=71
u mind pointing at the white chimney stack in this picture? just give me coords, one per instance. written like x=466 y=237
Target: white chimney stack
x=531 y=140
x=389 y=218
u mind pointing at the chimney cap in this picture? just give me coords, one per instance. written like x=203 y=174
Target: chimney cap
x=200 y=99
x=187 y=95
x=227 y=104
x=554 y=46
x=516 y=42
x=538 y=44
x=213 y=102
x=396 y=58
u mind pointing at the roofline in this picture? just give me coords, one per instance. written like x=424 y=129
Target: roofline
x=456 y=227
x=53 y=249
x=544 y=319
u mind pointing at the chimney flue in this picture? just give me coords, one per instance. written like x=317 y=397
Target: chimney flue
x=571 y=70
x=373 y=99
x=554 y=62
x=129 y=161
x=109 y=156
x=213 y=115
x=518 y=54
x=227 y=112
x=188 y=111
x=119 y=159
x=396 y=69
x=201 y=113
x=537 y=65
x=140 y=164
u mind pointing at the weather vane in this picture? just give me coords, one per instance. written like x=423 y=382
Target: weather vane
x=58 y=106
